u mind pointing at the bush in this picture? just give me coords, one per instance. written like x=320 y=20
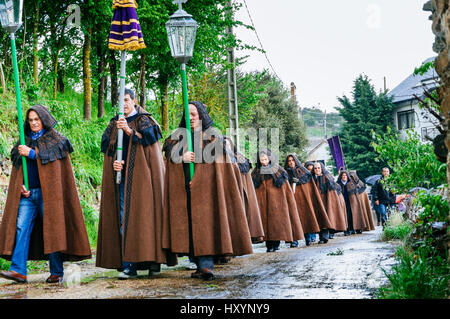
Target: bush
x=4 y=264
x=422 y=270
x=399 y=232
x=416 y=278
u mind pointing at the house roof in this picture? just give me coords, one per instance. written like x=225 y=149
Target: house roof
x=415 y=84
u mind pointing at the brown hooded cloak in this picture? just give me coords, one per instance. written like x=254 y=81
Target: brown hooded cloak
x=364 y=199
x=328 y=189
x=248 y=194
x=208 y=217
x=354 y=206
x=62 y=228
x=311 y=210
x=143 y=198
x=276 y=202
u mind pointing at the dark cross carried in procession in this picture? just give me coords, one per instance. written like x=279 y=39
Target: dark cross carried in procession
x=125 y=35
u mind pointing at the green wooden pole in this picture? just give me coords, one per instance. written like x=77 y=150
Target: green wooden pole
x=186 y=115
x=19 y=107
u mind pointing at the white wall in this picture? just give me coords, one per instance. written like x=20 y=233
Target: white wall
x=420 y=120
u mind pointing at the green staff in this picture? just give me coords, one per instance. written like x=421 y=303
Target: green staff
x=181 y=31
x=11 y=20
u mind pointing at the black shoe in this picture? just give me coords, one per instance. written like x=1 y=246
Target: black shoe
x=270 y=250
x=308 y=243
x=323 y=241
x=359 y=231
x=207 y=274
x=346 y=233
x=294 y=244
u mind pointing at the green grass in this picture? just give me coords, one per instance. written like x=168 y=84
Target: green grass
x=4 y=264
x=396 y=228
x=338 y=252
x=416 y=278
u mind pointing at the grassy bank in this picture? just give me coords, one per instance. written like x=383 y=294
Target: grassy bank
x=422 y=270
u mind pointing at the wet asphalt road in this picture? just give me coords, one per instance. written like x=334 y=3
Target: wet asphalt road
x=345 y=268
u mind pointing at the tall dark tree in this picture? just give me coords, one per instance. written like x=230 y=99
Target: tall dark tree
x=365 y=112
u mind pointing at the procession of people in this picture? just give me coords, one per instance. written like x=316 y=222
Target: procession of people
x=162 y=208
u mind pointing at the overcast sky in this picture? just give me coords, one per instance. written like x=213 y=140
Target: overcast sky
x=322 y=46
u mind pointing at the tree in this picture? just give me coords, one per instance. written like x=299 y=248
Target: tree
x=275 y=109
x=413 y=163
x=366 y=112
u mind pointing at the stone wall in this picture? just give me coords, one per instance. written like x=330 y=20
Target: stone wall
x=440 y=18
x=440 y=27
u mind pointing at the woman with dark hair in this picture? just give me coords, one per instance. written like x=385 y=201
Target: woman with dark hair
x=328 y=189
x=355 y=214
x=309 y=166
x=276 y=202
x=311 y=210
x=248 y=192
x=202 y=218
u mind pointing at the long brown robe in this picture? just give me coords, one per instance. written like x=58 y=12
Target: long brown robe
x=218 y=216
x=143 y=199
x=356 y=208
x=62 y=228
x=333 y=204
x=277 y=205
x=252 y=209
x=364 y=199
x=311 y=210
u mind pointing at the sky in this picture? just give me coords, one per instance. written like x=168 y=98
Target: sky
x=322 y=46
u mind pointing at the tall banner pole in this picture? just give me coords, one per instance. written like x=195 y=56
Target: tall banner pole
x=121 y=112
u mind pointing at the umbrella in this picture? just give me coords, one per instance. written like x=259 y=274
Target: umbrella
x=125 y=35
x=372 y=179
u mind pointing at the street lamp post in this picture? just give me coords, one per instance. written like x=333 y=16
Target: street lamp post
x=11 y=20
x=181 y=31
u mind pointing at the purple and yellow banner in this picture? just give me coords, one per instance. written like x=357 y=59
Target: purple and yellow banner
x=125 y=33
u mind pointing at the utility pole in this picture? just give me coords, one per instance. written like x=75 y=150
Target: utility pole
x=232 y=89
x=325 y=123
x=294 y=100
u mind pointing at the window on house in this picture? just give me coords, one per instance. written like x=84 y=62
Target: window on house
x=405 y=119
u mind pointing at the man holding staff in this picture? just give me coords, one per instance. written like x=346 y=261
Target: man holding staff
x=129 y=231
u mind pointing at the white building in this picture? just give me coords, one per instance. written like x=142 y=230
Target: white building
x=408 y=115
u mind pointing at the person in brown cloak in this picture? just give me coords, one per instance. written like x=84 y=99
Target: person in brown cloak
x=310 y=208
x=328 y=189
x=364 y=199
x=276 y=202
x=130 y=223
x=309 y=166
x=44 y=222
x=248 y=192
x=355 y=210
x=202 y=216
